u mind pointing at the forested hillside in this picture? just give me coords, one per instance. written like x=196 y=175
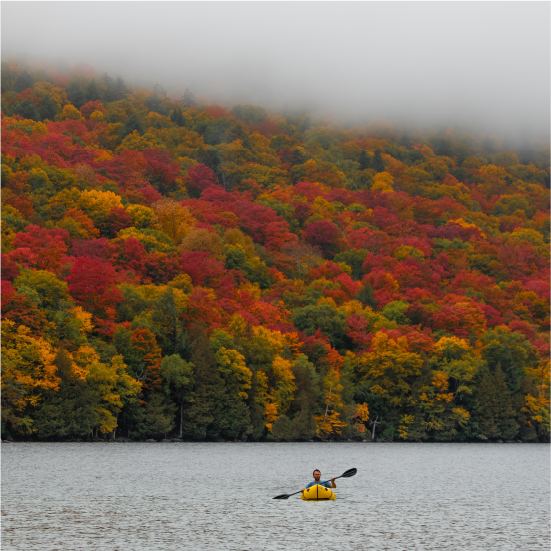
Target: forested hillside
x=171 y=269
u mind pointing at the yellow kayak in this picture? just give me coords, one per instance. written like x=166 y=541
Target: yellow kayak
x=318 y=493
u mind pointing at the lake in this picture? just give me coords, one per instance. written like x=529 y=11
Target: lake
x=202 y=496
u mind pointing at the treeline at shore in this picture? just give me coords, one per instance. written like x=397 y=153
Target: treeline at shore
x=178 y=270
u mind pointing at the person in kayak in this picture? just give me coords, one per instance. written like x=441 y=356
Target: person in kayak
x=317 y=475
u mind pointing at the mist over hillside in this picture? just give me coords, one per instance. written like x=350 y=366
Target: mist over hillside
x=480 y=67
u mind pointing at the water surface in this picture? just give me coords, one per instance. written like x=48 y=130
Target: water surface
x=165 y=497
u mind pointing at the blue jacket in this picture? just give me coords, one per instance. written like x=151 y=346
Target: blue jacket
x=326 y=484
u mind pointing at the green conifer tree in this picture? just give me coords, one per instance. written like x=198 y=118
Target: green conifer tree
x=76 y=93
x=488 y=407
x=497 y=415
x=365 y=161
x=177 y=117
x=92 y=91
x=216 y=409
x=507 y=420
x=49 y=109
x=378 y=163
x=133 y=123
x=23 y=81
x=159 y=417
x=26 y=109
x=188 y=99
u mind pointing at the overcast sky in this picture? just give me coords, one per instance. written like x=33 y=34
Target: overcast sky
x=484 y=64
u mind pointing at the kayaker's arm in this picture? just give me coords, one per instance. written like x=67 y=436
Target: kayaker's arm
x=333 y=485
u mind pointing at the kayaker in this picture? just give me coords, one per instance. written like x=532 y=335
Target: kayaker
x=317 y=475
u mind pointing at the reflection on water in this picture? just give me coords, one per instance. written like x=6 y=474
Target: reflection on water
x=218 y=496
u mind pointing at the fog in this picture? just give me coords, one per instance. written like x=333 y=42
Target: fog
x=483 y=66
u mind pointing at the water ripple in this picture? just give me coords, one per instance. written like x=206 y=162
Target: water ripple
x=218 y=496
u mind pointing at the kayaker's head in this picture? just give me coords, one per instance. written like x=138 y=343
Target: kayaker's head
x=317 y=475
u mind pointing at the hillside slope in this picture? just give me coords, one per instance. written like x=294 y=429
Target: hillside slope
x=206 y=273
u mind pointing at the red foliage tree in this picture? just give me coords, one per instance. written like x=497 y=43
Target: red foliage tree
x=160 y=170
x=101 y=248
x=302 y=211
x=88 y=108
x=23 y=204
x=160 y=267
x=117 y=220
x=92 y=284
x=19 y=309
x=201 y=267
x=200 y=178
x=131 y=255
x=150 y=194
x=460 y=317
x=323 y=234
x=144 y=342
x=40 y=248
x=7 y=291
x=10 y=269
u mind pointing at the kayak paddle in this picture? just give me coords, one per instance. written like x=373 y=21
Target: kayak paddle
x=346 y=474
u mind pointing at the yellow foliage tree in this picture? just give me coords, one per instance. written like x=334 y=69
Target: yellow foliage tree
x=97 y=204
x=85 y=319
x=383 y=182
x=522 y=235
x=456 y=359
x=435 y=411
x=27 y=369
x=284 y=387
x=232 y=363
x=361 y=417
x=68 y=198
x=264 y=399
x=201 y=239
x=96 y=116
x=261 y=345
x=69 y=113
x=330 y=422
x=114 y=386
x=389 y=367
x=58 y=95
x=8 y=235
x=172 y=219
x=141 y=216
x=140 y=143
x=537 y=407
x=182 y=282
x=159 y=243
x=407 y=251
x=270 y=411
x=318 y=171
x=234 y=236
x=155 y=120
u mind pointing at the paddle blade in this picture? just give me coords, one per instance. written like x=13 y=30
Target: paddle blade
x=349 y=473
x=282 y=496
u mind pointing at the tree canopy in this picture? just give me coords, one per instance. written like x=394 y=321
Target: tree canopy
x=177 y=269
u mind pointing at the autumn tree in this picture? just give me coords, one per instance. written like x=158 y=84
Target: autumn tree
x=323 y=234
x=172 y=219
x=92 y=284
x=28 y=368
x=177 y=375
